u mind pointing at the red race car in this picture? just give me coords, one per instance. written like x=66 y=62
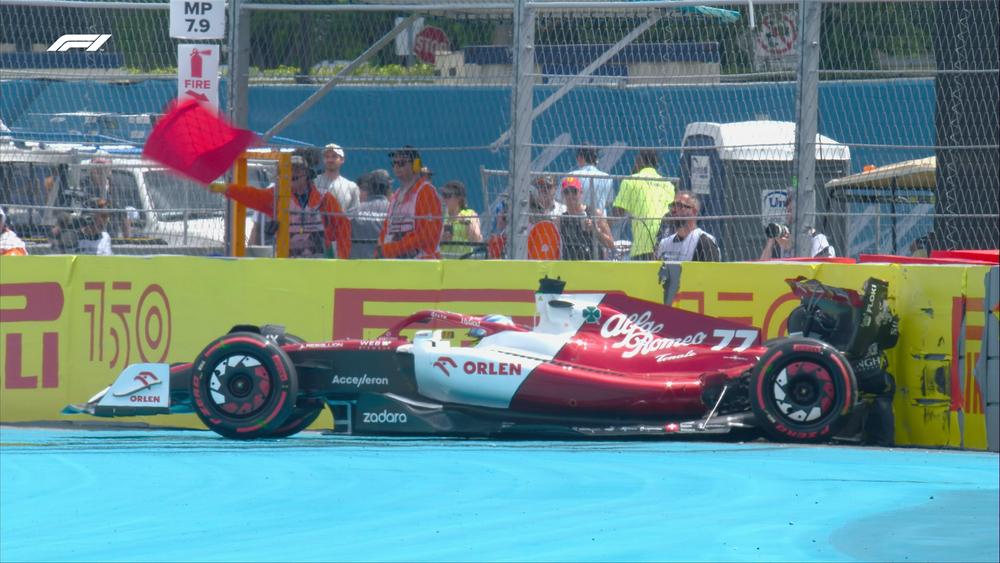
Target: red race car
x=594 y=365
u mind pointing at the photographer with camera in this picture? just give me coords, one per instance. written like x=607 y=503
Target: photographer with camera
x=83 y=233
x=778 y=233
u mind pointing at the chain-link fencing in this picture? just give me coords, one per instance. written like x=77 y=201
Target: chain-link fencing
x=893 y=103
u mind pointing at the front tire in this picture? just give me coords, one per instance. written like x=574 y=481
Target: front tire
x=802 y=390
x=243 y=386
x=299 y=420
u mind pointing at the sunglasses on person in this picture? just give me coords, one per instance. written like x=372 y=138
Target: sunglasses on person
x=448 y=195
x=400 y=162
x=545 y=186
x=676 y=205
x=298 y=177
x=571 y=191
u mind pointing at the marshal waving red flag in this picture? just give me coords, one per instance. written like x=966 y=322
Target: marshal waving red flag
x=196 y=142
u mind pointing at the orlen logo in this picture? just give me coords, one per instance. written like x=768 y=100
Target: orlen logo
x=492 y=368
x=145 y=380
x=385 y=417
x=441 y=364
x=89 y=42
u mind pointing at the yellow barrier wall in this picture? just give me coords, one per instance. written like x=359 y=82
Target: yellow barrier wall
x=69 y=325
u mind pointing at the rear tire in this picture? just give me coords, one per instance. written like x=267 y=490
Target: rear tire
x=802 y=390
x=243 y=386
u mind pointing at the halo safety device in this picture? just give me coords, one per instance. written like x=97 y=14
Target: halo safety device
x=476 y=332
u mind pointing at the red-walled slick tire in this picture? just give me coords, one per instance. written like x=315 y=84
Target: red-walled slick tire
x=299 y=420
x=243 y=386
x=802 y=390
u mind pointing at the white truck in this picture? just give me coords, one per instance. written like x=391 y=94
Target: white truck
x=38 y=183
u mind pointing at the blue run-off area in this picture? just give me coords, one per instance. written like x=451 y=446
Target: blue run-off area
x=189 y=495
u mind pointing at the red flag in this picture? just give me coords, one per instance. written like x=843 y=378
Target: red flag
x=196 y=142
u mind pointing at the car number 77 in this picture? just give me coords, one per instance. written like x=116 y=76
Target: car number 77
x=727 y=336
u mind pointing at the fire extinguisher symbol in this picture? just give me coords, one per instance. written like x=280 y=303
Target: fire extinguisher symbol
x=196 y=63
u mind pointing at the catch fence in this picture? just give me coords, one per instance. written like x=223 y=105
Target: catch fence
x=881 y=116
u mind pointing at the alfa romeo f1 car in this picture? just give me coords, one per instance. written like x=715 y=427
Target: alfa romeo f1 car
x=593 y=365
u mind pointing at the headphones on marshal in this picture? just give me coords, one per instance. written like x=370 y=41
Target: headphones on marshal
x=409 y=150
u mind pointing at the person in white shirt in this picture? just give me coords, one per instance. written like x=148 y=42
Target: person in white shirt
x=347 y=193
x=542 y=205
x=687 y=243
x=599 y=191
x=821 y=247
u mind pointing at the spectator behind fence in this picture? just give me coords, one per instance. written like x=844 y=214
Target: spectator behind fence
x=542 y=204
x=583 y=230
x=315 y=219
x=686 y=242
x=643 y=199
x=98 y=184
x=413 y=226
x=10 y=243
x=598 y=193
x=368 y=216
x=820 y=246
x=461 y=224
x=84 y=233
x=346 y=191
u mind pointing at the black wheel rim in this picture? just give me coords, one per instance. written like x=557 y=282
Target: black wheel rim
x=804 y=392
x=240 y=385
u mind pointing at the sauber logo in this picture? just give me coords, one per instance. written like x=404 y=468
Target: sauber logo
x=440 y=363
x=145 y=380
x=89 y=42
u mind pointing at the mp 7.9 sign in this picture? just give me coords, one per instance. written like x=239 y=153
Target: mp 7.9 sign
x=429 y=41
x=198 y=19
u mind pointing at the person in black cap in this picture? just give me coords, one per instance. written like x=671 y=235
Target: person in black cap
x=414 y=224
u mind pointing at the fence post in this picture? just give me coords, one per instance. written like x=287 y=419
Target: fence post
x=237 y=102
x=806 y=125
x=520 y=141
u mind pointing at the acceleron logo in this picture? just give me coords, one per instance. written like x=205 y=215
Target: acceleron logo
x=89 y=42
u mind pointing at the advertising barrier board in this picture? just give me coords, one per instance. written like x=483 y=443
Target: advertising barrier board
x=69 y=325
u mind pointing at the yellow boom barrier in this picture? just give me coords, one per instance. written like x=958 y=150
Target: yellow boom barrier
x=282 y=197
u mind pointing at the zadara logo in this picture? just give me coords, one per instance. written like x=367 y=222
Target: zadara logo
x=385 y=417
x=89 y=42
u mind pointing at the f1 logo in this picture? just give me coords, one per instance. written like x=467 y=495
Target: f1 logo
x=89 y=42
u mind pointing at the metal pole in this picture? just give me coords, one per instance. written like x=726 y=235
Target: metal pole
x=237 y=102
x=587 y=71
x=340 y=76
x=806 y=127
x=239 y=64
x=520 y=145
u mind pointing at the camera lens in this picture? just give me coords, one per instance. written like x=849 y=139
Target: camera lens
x=772 y=230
